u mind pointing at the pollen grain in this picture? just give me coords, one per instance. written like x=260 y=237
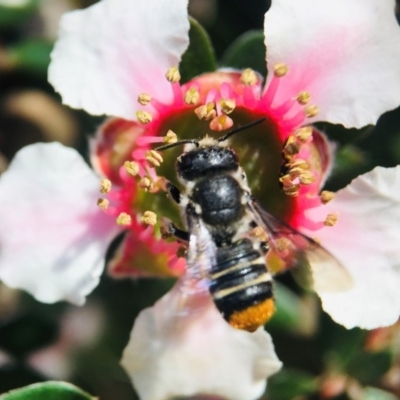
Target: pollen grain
x=144 y=99
x=248 y=77
x=253 y=317
x=124 y=219
x=105 y=185
x=149 y=218
x=173 y=75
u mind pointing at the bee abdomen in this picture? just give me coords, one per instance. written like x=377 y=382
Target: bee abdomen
x=241 y=286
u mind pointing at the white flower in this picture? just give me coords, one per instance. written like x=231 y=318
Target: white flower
x=173 y=353
x=343 y=53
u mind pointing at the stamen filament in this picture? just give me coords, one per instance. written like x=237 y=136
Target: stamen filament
x=271 y=91
x=145 y=140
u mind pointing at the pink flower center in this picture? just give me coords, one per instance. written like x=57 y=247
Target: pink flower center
x=284 y=159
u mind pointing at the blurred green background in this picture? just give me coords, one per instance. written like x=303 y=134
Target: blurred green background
x=83 y=345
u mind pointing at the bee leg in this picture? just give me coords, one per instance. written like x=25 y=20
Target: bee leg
x=174 y=192
x=168 y=229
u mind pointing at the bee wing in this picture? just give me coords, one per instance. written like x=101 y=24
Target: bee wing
x=202 y=250
x=201 y=256
x=293 y=248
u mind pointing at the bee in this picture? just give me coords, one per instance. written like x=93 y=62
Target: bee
x=222 y=216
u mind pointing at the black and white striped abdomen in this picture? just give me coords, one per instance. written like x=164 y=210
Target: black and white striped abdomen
x=241 y=286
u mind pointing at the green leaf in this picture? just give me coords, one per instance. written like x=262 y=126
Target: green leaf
x=293 y=313
x=369 y=367
x=199 y=56
x=15 y=15
x=51 y=390
x=247 y=51
x=289 y=384
x=33 y=56
x=27 y=332
x=348 y=158
x=344 y=345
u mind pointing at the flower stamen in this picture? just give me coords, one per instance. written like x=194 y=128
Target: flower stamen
x=144 y=117
x=221 y=123
x=124 y=219
x=103 y=204
x=149 y=218
x=280 y=69
x=331 y=220
x=192 y=96
x=206 y=112
x=170 y=137
x=303 y=97
x=227 y=105
x=132 y=168
x=105 y=185
x=173 y=75
x=311 y=111
x=148 y=184
x=304 y=133
x=154 y=158
x=248 y=77
x=327 y=196
x=291 y=147
x=144 y=99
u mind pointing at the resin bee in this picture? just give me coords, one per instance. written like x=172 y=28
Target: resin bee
x=221 y=217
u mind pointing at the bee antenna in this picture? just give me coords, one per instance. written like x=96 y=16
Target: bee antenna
x=240 y=129
x=178 y=143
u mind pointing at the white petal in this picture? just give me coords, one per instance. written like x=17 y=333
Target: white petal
x=346 y=53
x=366 y=240
x=196 y=352
x=53 y=238
x=109 y=53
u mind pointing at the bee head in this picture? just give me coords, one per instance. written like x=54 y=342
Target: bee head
x=208 y=155
x=205 y=159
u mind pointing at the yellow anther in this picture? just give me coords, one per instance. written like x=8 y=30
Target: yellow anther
x=303 y=97
x=192 y=96
x=131 y=167
x=105 y=185
x=295 y=172
x=149 y=218
x=311 y=111
x=331 y=220
x=280 y=69
x=283 y=244
x=317 y=239
x=259 y=234
x=103 y=204
x=144 y=99
x=170 y=137
x=248 y=77
x=221 y=123
x=227 y=105
x=303 y=134
x=144 y=117
x=292 y=191
x=153 y=157
x=288 y=187
x=300 y=163
x=206 y=112
x=147 y=184
x=291 y=147
x=124 y=219
x=306 y=178
x=286 y=180
x=327 y=196
x=173 y=75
